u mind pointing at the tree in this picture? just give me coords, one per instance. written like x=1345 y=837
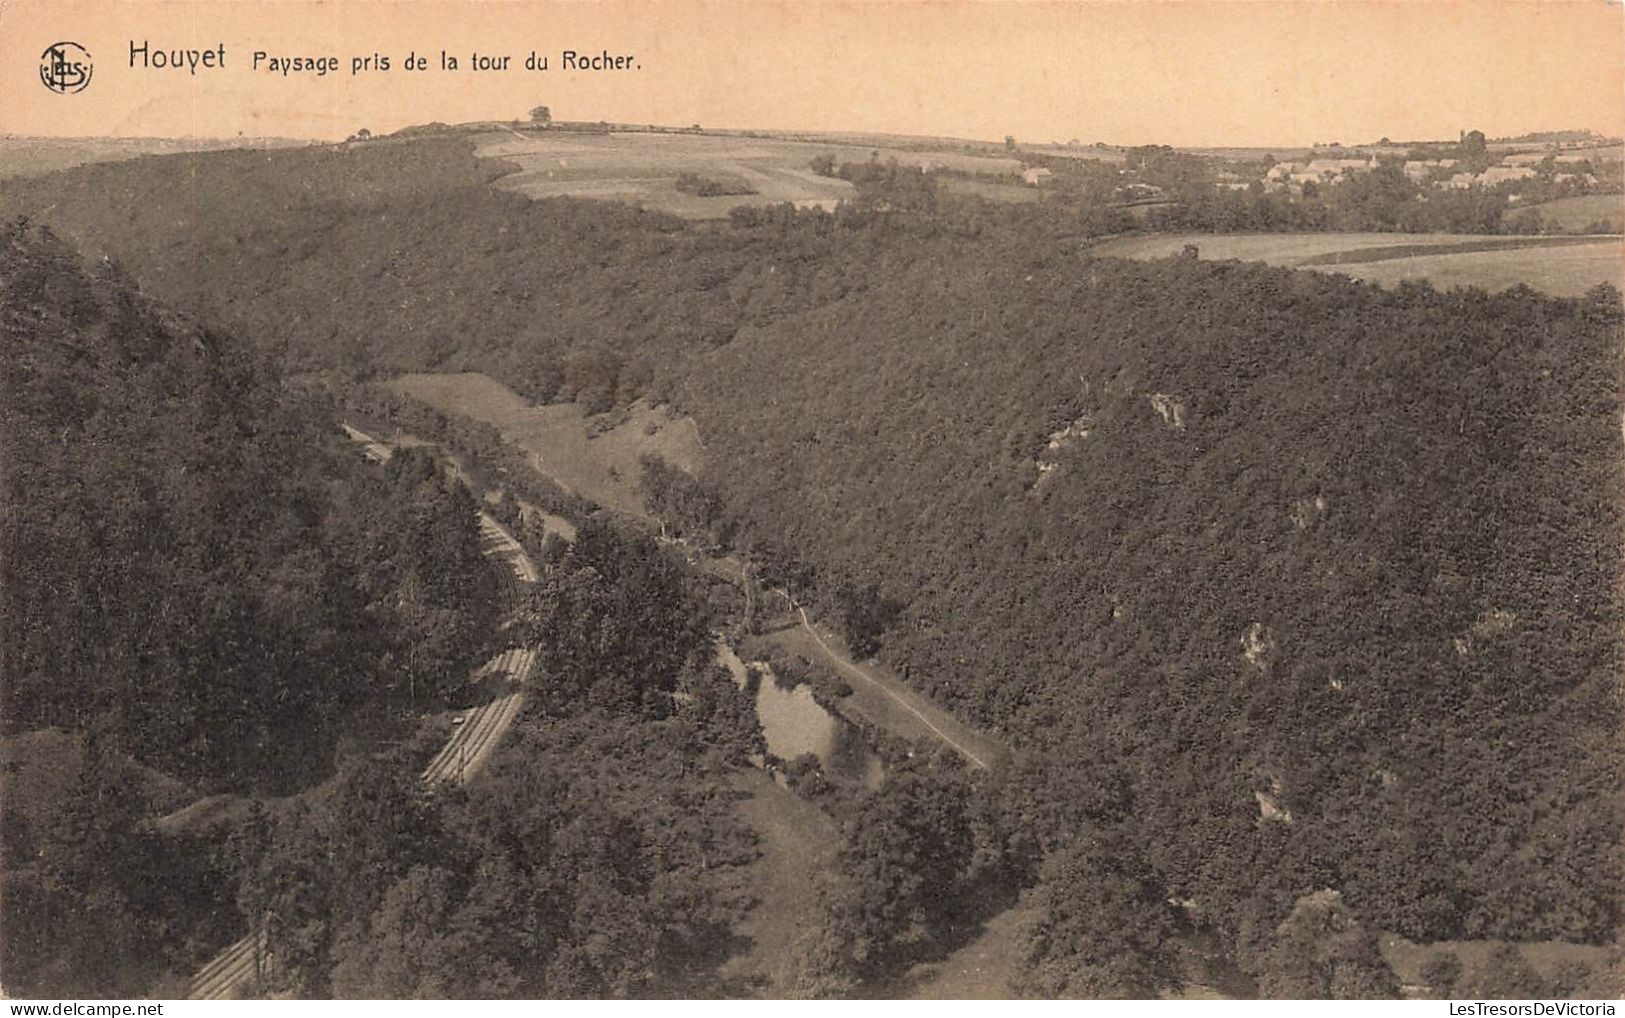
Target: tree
x=1505 y=975
x=1320 y=951
x=905 y=858
x=104 y=879
x=332 y=860
x=1440 y=974
x=1104 y=928
x=541 y=116
x=405 y=951
x=1474 y=151
x=865 y=616
x=615 y=620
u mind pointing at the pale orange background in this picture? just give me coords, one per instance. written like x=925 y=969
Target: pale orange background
x=1205 y=73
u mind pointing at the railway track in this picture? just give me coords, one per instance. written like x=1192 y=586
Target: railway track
x=467 y=750
x=458 y=761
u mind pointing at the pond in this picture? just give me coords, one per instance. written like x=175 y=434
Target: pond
x=793 y=723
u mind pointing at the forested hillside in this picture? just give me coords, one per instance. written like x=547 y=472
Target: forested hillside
x=397 y=256
x=195 y=562
x=1280 y=585
x=598 y=855
x=1321 y=579
x=198 y=574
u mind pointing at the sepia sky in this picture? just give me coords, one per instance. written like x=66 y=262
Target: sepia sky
x=1198 y=73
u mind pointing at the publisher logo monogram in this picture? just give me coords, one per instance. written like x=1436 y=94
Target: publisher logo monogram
x=64 y=67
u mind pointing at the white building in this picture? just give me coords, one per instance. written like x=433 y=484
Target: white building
x=1421 y=169
x=1503 y=174
x=1317 y=171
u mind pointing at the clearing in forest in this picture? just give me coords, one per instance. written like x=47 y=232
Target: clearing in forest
x=597 y=457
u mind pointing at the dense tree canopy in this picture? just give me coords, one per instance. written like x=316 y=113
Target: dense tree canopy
x=592 y=858
x=193 y=556
x=1293 y=583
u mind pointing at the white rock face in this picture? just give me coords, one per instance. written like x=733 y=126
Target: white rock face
x=1059 y=441
x=1258 y=645
x=1270 y=809
x=1171 y=410
x=1492 y=622
x=1305 y=511
x=1076 y=431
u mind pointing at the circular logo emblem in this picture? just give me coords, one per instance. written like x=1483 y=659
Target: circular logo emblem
x=64 y=67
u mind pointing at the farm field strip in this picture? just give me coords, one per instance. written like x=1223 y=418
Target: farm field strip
x=468 y=748
x=1560 y=272
x=1563 y=266
x=1289 y=249
x=642 y=168
x=1575 y=213
x=1382 y=254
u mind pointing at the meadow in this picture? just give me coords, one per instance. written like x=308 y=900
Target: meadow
x=1576 y=214
x=1558 y=266
x=586 y=455
x=642 y=168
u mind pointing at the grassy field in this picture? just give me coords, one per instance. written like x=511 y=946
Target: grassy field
x=642 y=168
x=1561 y=266
x=1559 y=271
x=1572 y=215
x=798 y=845
x=1607 y=977
x=28 y=157
x=984 y=969
x=885 y=700
x=596 y=458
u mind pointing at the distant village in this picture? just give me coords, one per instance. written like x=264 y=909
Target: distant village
x=1584 y=164
x=1570 y=167
x=1474 y=185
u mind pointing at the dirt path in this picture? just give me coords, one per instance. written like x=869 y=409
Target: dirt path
x=885 y=700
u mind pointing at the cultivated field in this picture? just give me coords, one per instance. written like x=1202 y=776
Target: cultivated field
x=1573 y=215
x=1561 y=266
x=642 y=168
x=596 y=458
x=1009 y=193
